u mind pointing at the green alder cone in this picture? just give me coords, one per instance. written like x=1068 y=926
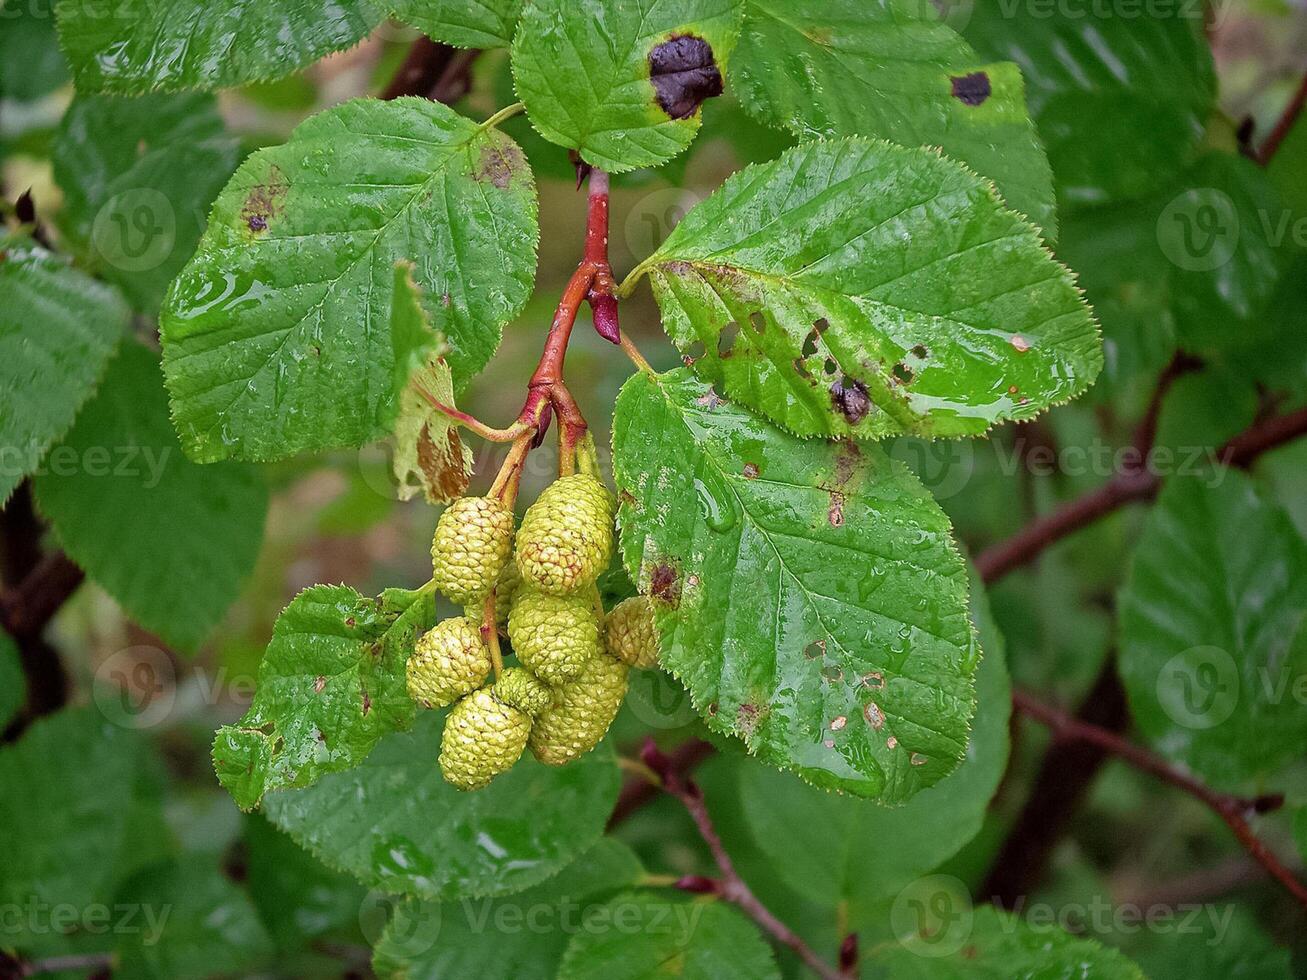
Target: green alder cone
x=630 y=634
x=483 y=737
x=518 y=688
x=471 y=546
x=555 y=636
x=581 y=714
x=447 y=663
x=566 y=538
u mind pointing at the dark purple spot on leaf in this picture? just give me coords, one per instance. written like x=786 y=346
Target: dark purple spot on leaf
x=971 y=89
x=850 y=399
x=665 y=584
x=684 y=74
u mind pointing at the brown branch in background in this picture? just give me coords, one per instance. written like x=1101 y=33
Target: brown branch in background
x=730 y=886
x=36 y=585
x=1284 y=124
x=1136 y=483
x=1232 y=809
x=432 y=70
x=1065 y=774
x=636 y=791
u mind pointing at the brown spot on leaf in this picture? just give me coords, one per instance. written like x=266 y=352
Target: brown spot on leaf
x=498 y=163
x=850 y=399
x=319 y=683
x=684 y=74
x=835 y=513
x=440 y=458
x=972 y=89
x=846 y=461
x=751 y=471
x=920 y=352
x=665 y=583
x=1020 y=344
x=875 y=717
x=710 y=400
x=746 y=718
x=265 y=202
x=367 y=704
x=903 y=374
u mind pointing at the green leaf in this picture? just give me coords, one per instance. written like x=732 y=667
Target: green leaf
x=395 y=824
x=462 y=23
x=1213 y=628
x=1120 y=101
x=72 y=785
x=583 y=68
x=138 y=176
x=890 y=69
x=31 y=64
x=824 y=846
x=13 y=685
x=522 y=936
x=808 y=594
x=172 y=541
x=299 y=899
x=852 y=287
x=430 y=457
x=277 y=335
x=330 y=686
x=58 y=328
x=134 y=46
x=210 y=929
x=644 y=934
x=994 y=945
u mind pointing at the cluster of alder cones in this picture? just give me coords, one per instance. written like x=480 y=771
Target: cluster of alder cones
x=538 y=586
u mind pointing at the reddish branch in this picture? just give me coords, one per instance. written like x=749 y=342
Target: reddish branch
x=1234 y=810
x=1136 y=483
x=1284 y=124
x=730 y=886
x=636 y=792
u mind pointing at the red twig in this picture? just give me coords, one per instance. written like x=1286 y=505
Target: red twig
x=1232 y=809
x=1133 y=484
x=636 y=792
x=1284 y=124
x=730 y=885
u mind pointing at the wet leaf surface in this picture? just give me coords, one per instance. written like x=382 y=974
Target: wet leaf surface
x=808 y=594
x=277 y=334
x=621 y=83
x=394 y=823
x=851 y=287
